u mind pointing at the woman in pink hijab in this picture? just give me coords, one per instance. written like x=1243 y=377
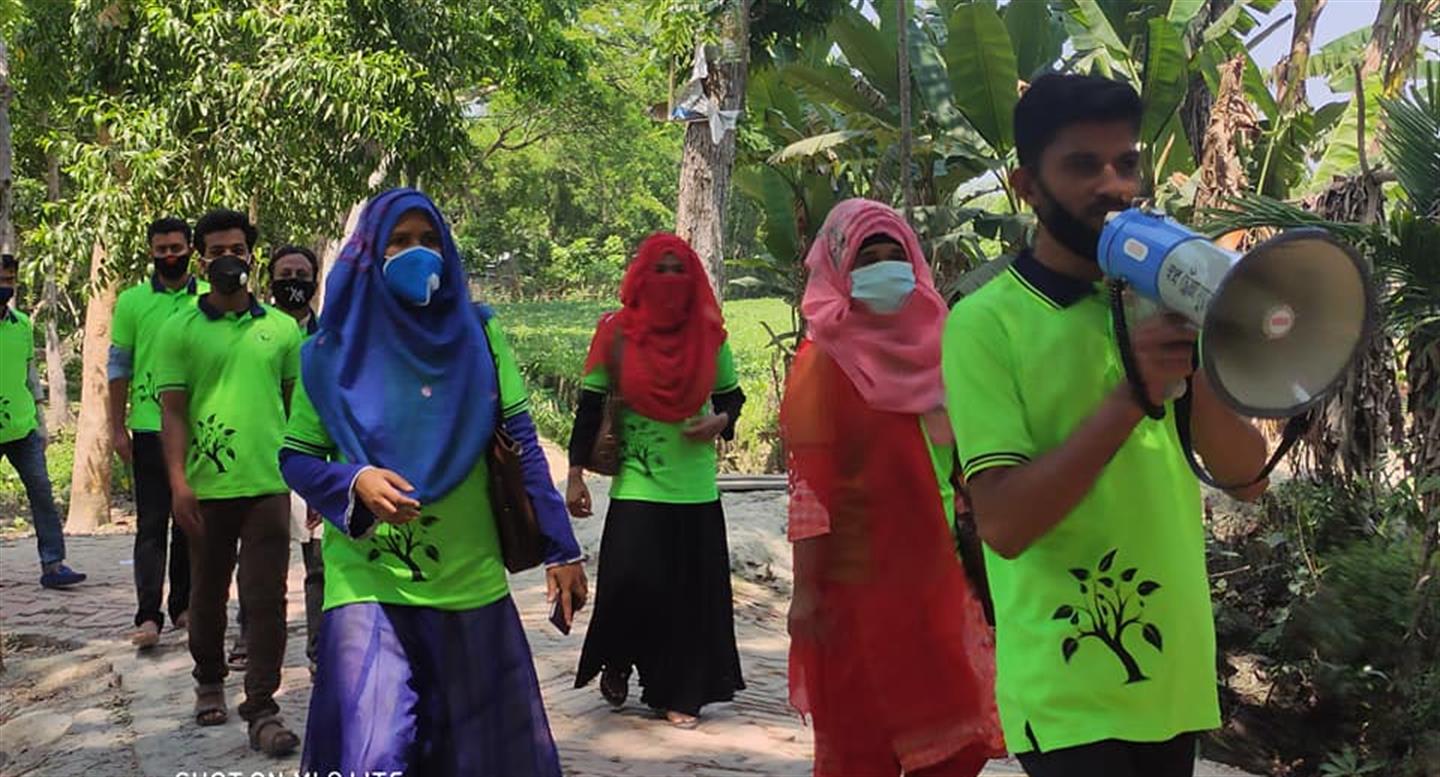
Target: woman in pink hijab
x=890 y=652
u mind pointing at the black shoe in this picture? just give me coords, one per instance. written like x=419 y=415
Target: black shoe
x=61 y=576
x=615 y=686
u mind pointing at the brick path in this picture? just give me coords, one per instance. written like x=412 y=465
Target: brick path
x=101 y=709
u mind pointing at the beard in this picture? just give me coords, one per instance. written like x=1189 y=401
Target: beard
x=1074 y=232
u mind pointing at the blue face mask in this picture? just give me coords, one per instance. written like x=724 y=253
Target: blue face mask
x=884 y=286
x=414 y=274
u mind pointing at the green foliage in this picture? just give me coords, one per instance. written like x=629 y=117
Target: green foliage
x=563 y=175
x=1321 y=590
x=166 y=107
x=983 y=73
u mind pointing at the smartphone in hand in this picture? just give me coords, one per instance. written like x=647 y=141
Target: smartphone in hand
x=557 y=617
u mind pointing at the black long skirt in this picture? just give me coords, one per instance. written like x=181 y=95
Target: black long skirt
x=663 y=605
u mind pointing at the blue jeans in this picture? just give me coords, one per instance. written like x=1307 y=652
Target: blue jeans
x=27 y=456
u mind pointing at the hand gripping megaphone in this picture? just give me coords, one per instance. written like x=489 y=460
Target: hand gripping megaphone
x=1280 y=324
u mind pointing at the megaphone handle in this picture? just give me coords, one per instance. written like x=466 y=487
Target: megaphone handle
x=1295 y=428
x=1127 y=352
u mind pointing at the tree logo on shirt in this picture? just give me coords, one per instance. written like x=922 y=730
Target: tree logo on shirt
x=407 y=542
x=642 y=447
x=5 y=416
x=212 y=442
x=1110 y=605
x=144 y=388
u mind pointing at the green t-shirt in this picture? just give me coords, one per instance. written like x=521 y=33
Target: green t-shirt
x=17 y=350
x=1104 y=627
x=234 y=367
x=657 y=462
x=140 y=312
x=449 y=558
x=942 y=458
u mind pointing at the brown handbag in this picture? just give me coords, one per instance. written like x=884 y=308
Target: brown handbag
x=609 y=442
x=522 y=546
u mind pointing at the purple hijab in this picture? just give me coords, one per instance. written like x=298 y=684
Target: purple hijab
x=410 y=389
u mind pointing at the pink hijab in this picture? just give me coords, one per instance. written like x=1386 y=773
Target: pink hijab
x=893 y=360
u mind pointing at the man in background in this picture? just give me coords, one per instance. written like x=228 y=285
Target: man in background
x=22 y=437
x=139 y=314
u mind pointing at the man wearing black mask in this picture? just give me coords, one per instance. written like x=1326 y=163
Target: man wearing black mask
x=139 y=314
x=293 y=274
x=226 y=369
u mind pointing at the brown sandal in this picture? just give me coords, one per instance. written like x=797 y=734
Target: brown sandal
x=210 y=705
x=269 y=735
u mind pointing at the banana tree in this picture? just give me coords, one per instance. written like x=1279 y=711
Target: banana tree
x=850 y=106
x=1401 y=249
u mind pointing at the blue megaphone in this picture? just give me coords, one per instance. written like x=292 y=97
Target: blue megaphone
x=1280 y=324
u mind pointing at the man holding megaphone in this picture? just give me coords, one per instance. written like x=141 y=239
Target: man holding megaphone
x=1092 y=519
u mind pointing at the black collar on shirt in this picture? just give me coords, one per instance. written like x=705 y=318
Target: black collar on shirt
x=1061 y=290
x=10 y=315
x=160 y=287
x=214 y=314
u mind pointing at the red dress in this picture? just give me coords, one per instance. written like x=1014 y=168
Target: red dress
x=890 y=652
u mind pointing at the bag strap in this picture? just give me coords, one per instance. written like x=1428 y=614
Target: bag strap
x=486 y=313
x=1295 y=428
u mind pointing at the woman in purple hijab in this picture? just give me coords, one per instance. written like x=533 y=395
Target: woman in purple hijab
x=423 y=667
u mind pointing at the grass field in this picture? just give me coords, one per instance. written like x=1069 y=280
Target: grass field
x=551 y=339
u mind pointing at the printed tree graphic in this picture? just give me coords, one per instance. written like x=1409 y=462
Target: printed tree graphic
x=212 y=441
x=144 y=388
x=5 y=416
x=403 y=541
x=1109 y=608
x=641 y=446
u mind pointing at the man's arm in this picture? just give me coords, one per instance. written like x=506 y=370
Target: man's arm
x=119 y=369
x=1015 y=506
x=175 y=433
x=175 y=441
x=1232 y=448
x=33 y=378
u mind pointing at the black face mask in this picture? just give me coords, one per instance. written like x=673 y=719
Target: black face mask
x=171 y=268
x=1072 y=233
x=229 y=274
x=292 y=293
x=6 y=293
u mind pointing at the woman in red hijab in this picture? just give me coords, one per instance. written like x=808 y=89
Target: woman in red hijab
x=663 y=601
x=890 y=652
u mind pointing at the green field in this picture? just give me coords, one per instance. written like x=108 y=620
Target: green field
x=552 y=338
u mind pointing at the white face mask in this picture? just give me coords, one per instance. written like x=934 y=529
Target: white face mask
x=884 y=287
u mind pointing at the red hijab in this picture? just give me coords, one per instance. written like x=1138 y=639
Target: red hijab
x=672 y=329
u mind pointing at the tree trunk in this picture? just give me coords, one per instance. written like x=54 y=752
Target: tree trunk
x=1230 y=118
x=330 y=251
x=705 y=167
x=1395 y=39
x=1195 y=111
x=1290 y=73
x=57 y=411
x=90 y=481
x=907 y=184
